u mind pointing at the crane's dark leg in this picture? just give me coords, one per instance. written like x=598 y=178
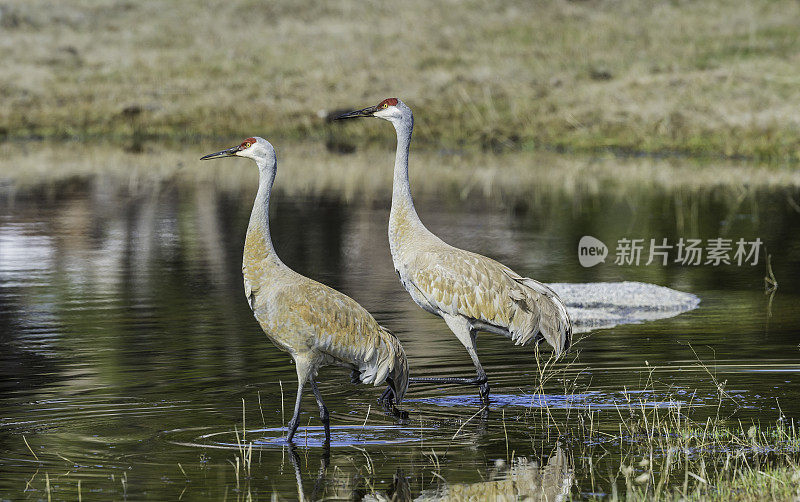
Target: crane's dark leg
x=295 y=421
x=303 y=365
x=387 y=397
x=467 y=335
x=453 y=380
x=482 y=378
x=387 y=401
x=323 y=412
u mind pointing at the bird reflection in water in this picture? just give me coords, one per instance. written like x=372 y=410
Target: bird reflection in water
x=298 y=473
x=523 y=479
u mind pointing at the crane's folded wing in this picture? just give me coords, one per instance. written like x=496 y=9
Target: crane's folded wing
x=459 y=282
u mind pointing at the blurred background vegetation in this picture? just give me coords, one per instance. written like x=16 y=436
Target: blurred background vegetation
x=712 y=79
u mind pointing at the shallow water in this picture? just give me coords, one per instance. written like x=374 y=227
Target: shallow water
x=128 y=352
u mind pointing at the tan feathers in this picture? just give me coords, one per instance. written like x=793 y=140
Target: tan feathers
x=301 y=315
x=458 y=282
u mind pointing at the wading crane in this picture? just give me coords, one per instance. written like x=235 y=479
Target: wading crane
x=315 y=324
x=470 y=292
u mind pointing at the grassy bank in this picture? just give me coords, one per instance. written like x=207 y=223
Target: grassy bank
x=714 y=78
x=309 y=169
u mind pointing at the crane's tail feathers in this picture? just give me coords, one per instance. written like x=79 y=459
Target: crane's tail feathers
x=554 y=324
x=387 y=360
x=540 y=313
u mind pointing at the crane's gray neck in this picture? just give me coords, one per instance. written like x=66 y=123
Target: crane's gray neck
x=259 y=240
x=402 y=203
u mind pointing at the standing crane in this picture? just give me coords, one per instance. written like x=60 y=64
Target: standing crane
x=315 y=324
x=470 y=292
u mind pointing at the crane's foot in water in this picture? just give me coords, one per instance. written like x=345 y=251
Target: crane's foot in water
x=387 y=397
x=387 y=402
x=401 y=415
x=484 y=391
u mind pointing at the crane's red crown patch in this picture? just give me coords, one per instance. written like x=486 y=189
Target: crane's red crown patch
x=247 y=143
x=388 y=101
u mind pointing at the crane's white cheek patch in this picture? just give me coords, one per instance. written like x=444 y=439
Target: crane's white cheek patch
x=387 y=113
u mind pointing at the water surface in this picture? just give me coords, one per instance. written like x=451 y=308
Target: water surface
x=128 y=352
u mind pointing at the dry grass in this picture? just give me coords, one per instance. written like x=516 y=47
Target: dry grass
x=705 y=78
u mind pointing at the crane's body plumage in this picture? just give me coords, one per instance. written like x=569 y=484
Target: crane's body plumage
x=319 y=326
x=315 y=324
x=469 y=291
x=448 y=281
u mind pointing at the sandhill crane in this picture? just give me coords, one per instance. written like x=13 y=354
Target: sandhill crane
x=470 y=292
x=314 y=323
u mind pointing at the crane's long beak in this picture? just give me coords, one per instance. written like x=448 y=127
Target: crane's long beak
x=230 y=152
x=364 y=112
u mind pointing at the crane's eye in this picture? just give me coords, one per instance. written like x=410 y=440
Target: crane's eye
x=386 y=105
x=246 y=144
